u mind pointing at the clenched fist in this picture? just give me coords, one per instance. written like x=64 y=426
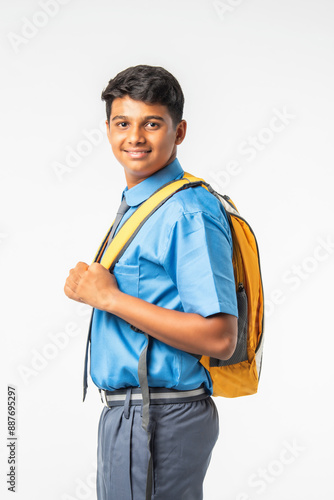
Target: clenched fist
x=94 y=285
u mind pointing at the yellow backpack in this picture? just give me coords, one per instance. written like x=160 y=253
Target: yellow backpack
x=238 y=376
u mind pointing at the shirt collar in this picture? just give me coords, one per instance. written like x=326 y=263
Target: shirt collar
x=139 y=193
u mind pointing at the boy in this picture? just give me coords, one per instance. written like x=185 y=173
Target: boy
x=171 y=297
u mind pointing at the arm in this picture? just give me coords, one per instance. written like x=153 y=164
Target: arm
x=212 y=336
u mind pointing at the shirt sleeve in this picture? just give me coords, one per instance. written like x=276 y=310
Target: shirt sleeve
x=198 y=259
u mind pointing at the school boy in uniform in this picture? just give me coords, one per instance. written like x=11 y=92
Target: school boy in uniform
x=171 y=296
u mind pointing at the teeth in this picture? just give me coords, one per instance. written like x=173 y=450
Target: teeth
x=137 y=152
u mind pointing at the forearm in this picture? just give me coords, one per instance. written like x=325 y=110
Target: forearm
x=212 y=336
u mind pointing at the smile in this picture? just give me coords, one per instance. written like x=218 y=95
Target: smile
x=138 y=153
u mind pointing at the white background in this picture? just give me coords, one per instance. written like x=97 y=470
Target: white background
x=240 y=64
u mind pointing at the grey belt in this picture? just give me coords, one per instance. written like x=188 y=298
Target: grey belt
x=158 y=395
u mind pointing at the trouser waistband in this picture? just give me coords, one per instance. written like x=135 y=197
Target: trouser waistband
x=158 y=395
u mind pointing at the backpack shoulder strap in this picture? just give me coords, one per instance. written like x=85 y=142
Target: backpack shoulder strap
x=130 y=228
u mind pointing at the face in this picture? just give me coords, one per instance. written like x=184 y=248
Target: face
x=142 y=137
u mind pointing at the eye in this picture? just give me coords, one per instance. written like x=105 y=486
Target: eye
x=152 y=125
x=121 y=124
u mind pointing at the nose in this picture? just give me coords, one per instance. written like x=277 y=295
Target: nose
x=136 y=135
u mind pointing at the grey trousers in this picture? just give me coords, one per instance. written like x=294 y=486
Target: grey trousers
x=183 y=436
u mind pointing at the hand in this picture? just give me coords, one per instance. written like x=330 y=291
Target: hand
x=93 y=285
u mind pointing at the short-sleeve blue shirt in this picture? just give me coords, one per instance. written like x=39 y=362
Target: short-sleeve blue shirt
x=180 y=259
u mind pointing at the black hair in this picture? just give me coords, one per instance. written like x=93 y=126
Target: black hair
x=151 y=84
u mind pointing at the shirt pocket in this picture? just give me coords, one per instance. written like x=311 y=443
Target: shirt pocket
x=127 y=277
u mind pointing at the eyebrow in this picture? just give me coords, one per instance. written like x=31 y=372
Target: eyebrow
x=149 y=117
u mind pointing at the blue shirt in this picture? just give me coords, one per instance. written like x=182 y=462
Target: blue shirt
x=180 y=259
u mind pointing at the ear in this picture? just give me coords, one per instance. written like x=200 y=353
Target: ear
x=181 y=130
x=108 y=131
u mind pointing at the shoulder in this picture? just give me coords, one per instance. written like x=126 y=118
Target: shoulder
x=198 y=201
x=187 y=219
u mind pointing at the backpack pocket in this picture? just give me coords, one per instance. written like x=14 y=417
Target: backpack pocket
x=240 y=353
